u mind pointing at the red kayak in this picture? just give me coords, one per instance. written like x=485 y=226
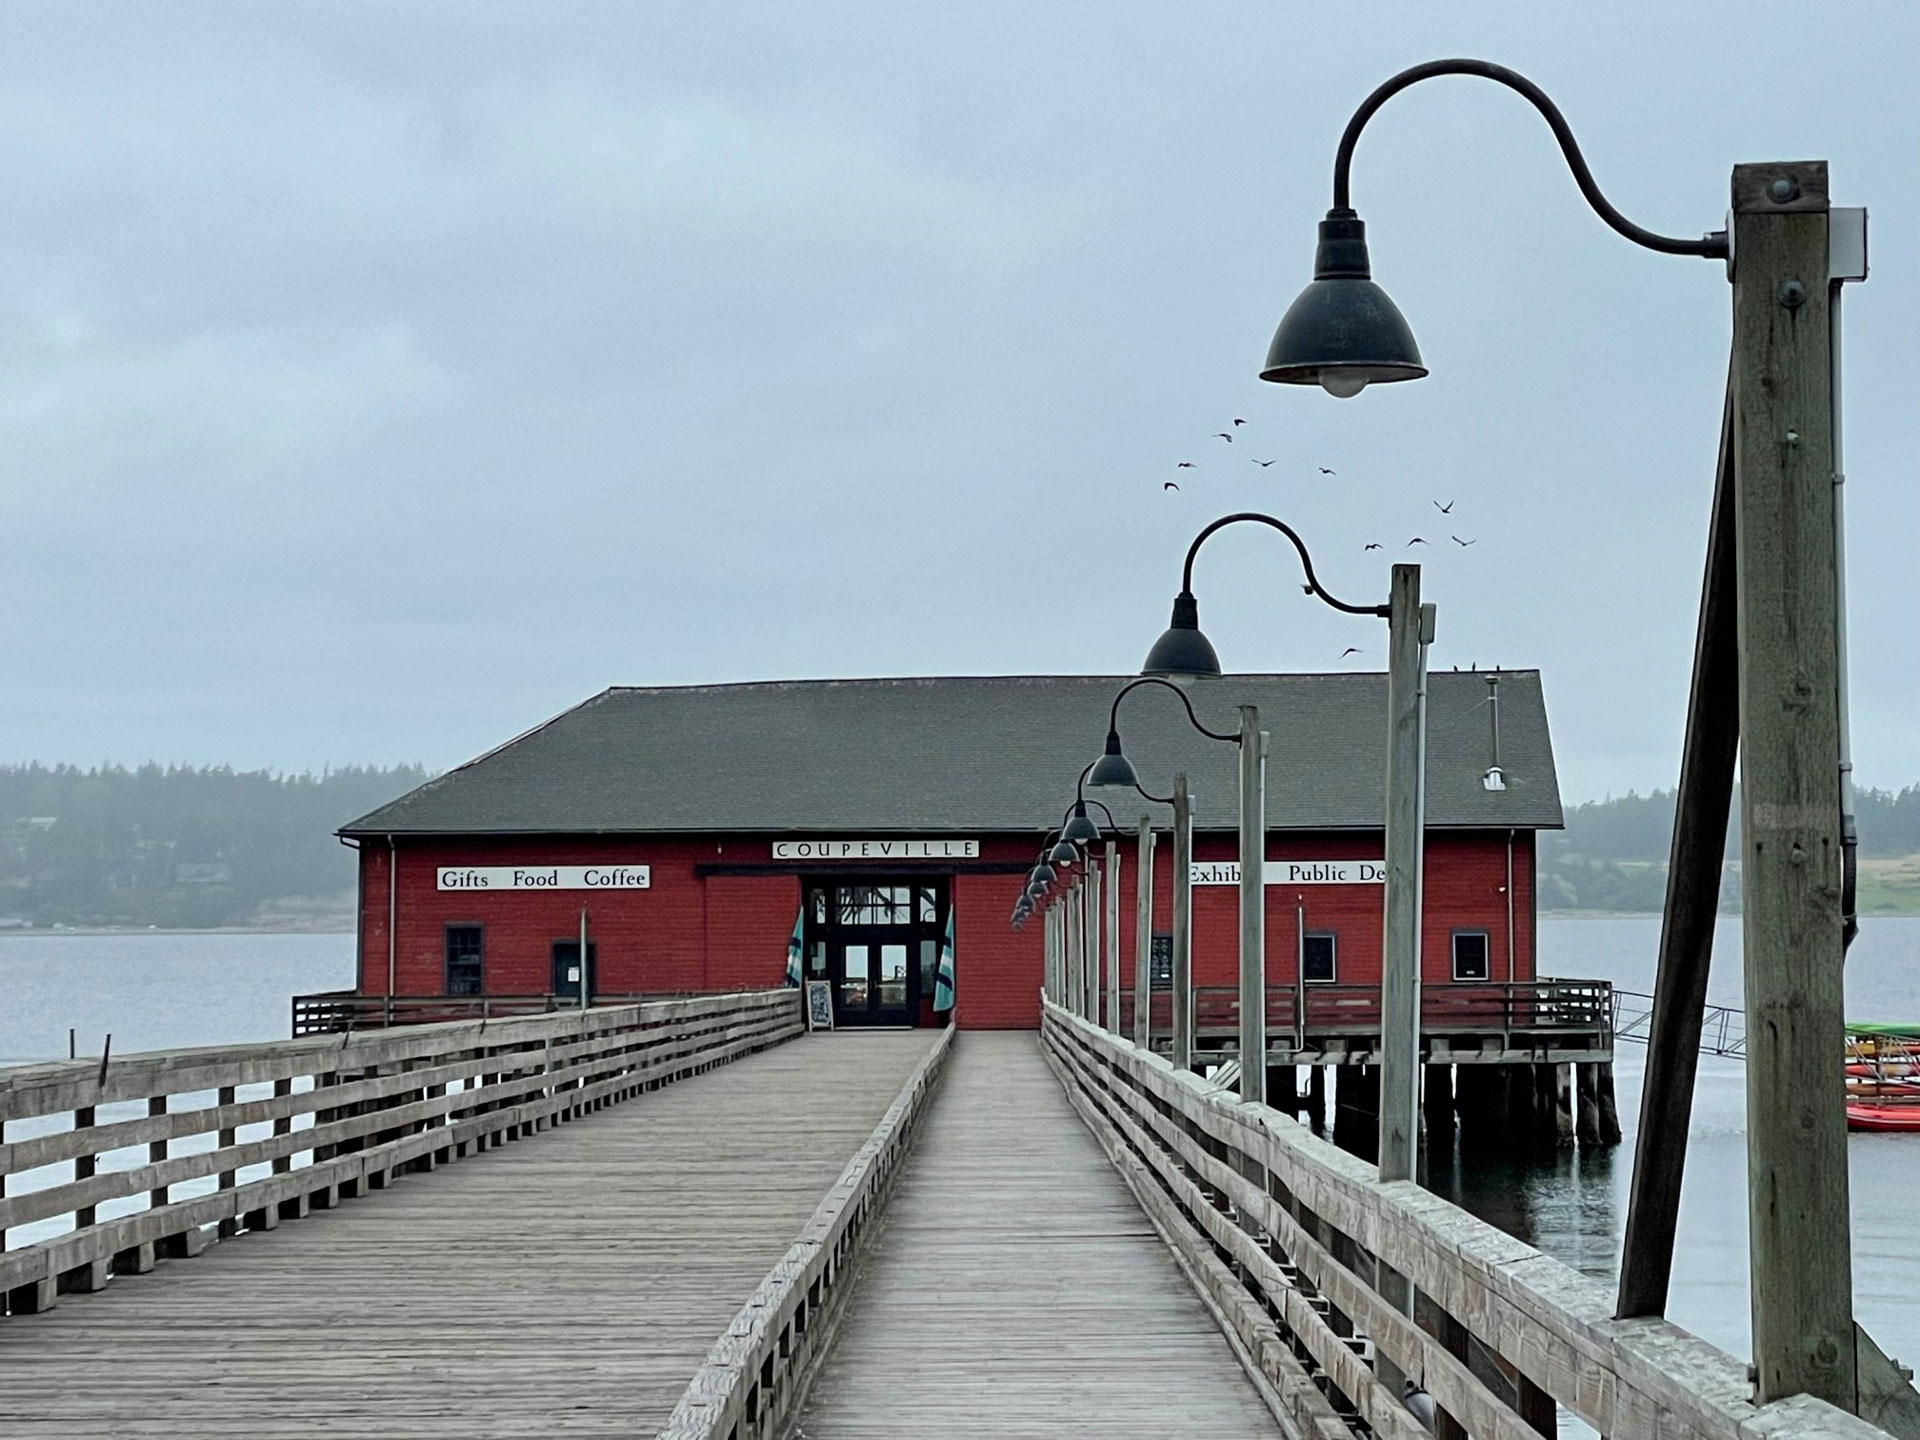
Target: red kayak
x=1883 y=1117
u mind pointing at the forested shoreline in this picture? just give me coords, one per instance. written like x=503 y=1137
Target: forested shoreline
x=1613 y=853
x=182 y=847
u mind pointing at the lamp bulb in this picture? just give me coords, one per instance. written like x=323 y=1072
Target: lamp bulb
x=1342 y=384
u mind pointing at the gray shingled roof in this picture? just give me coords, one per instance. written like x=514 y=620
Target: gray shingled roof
x=976 y=755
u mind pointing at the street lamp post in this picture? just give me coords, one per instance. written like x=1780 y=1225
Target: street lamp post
x=1143 y=936
x=1184 y=651
x=1113 y=770
x=1769 y=682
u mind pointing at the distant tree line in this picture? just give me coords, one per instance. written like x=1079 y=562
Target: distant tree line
x=178 y=846
x=1613 y=853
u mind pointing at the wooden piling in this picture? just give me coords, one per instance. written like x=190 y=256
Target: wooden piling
x=1437 y=1102
x=1609 y=1108
x=1587 y=1102
x=1563 y=1105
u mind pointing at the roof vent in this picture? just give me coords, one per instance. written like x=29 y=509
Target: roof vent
x=1495 y=778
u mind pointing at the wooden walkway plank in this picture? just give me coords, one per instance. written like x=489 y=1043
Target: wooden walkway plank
x=571 y=1282
x=1016 y=1289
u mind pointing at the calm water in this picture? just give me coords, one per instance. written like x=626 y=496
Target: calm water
x=160 y=991
x=1574 y=1206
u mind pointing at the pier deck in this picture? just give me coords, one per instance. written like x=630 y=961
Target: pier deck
x=568 y=1283
x=1016 y=1289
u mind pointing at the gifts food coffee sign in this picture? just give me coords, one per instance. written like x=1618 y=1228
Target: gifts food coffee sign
x=545 y=877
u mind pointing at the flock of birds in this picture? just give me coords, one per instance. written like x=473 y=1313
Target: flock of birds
x=1228 y=436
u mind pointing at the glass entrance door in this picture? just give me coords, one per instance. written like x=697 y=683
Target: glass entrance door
x=874 y=941
x=873 y=981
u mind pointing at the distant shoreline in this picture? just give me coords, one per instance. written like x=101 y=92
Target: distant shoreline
x=82 y=931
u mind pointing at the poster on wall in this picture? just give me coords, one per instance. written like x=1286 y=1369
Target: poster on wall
x=819 y=1005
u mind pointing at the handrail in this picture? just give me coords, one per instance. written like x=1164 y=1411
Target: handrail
x=1723 y=1028
x=329 y=1012
x=756 y=1373
x=244 y=1136
x=1348 y=1271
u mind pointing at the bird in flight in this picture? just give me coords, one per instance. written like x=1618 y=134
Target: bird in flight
x=1169 y=485
x=1416 y=540
x=1222 y=434
x=1323 y=470
x=1263 y=464
x=1458 y=541
x=1350 y=650
x=1374 y=546
x=1238 y=422
x=1446 y=509
x=1186 y=465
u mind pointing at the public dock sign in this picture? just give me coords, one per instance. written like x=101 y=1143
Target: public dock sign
x=545 y=877
x=1295 y=872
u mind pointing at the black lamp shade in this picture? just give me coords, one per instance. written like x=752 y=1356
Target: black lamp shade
x=1080 y=829
x=1112 y=770
x=1063 y=853
x=1041 y=875
x=1342 y=333
x=1182 y=652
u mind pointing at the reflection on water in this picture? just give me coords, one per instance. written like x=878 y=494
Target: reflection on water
x=1559 y=1199
x=1573 y=1203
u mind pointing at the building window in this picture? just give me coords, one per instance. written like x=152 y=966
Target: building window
x=463 y=960
x=1317 y=958
x=875 y=905
x=1470 y=955
x=1160 y=971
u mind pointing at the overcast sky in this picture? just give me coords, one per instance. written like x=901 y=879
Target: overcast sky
x=377 y=380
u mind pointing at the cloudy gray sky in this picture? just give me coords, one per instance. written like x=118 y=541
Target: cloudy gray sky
x=377 y=380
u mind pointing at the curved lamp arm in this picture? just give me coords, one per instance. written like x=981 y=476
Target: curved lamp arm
x=1147 y=794
x=1112 y=824
x=1113 y=714
x=1710 y=247
x=1314 y=587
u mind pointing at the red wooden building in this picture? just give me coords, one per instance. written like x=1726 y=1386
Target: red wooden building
x=693 y=829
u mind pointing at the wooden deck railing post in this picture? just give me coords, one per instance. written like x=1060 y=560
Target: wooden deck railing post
x=1113 y=936
x=1143 y=936
x=1253 y=907
x=1182 y=997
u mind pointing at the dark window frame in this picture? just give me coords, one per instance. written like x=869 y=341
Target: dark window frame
x=446 y=956
x=1332 y=937
x=1485 y=938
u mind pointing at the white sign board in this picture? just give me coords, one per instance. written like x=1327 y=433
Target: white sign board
x=1295 y=872
x=545 y=877
x=894 y=849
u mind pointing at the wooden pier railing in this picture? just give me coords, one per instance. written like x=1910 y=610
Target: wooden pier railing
x=1543 y=1015
x=757 y=1371
x=106 y=1166
x=330 y=1012
x=1341 y=1288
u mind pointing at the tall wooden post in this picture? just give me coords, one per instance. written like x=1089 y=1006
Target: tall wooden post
x=1799 y=1243
x=1182 y=997
x=1405 y=823
x=1049 y=981
x=1253 y=907
x=1143 y=937
x=1113 y=937
x=1070 y=931
x=1699 y=845
x=1090 y=939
